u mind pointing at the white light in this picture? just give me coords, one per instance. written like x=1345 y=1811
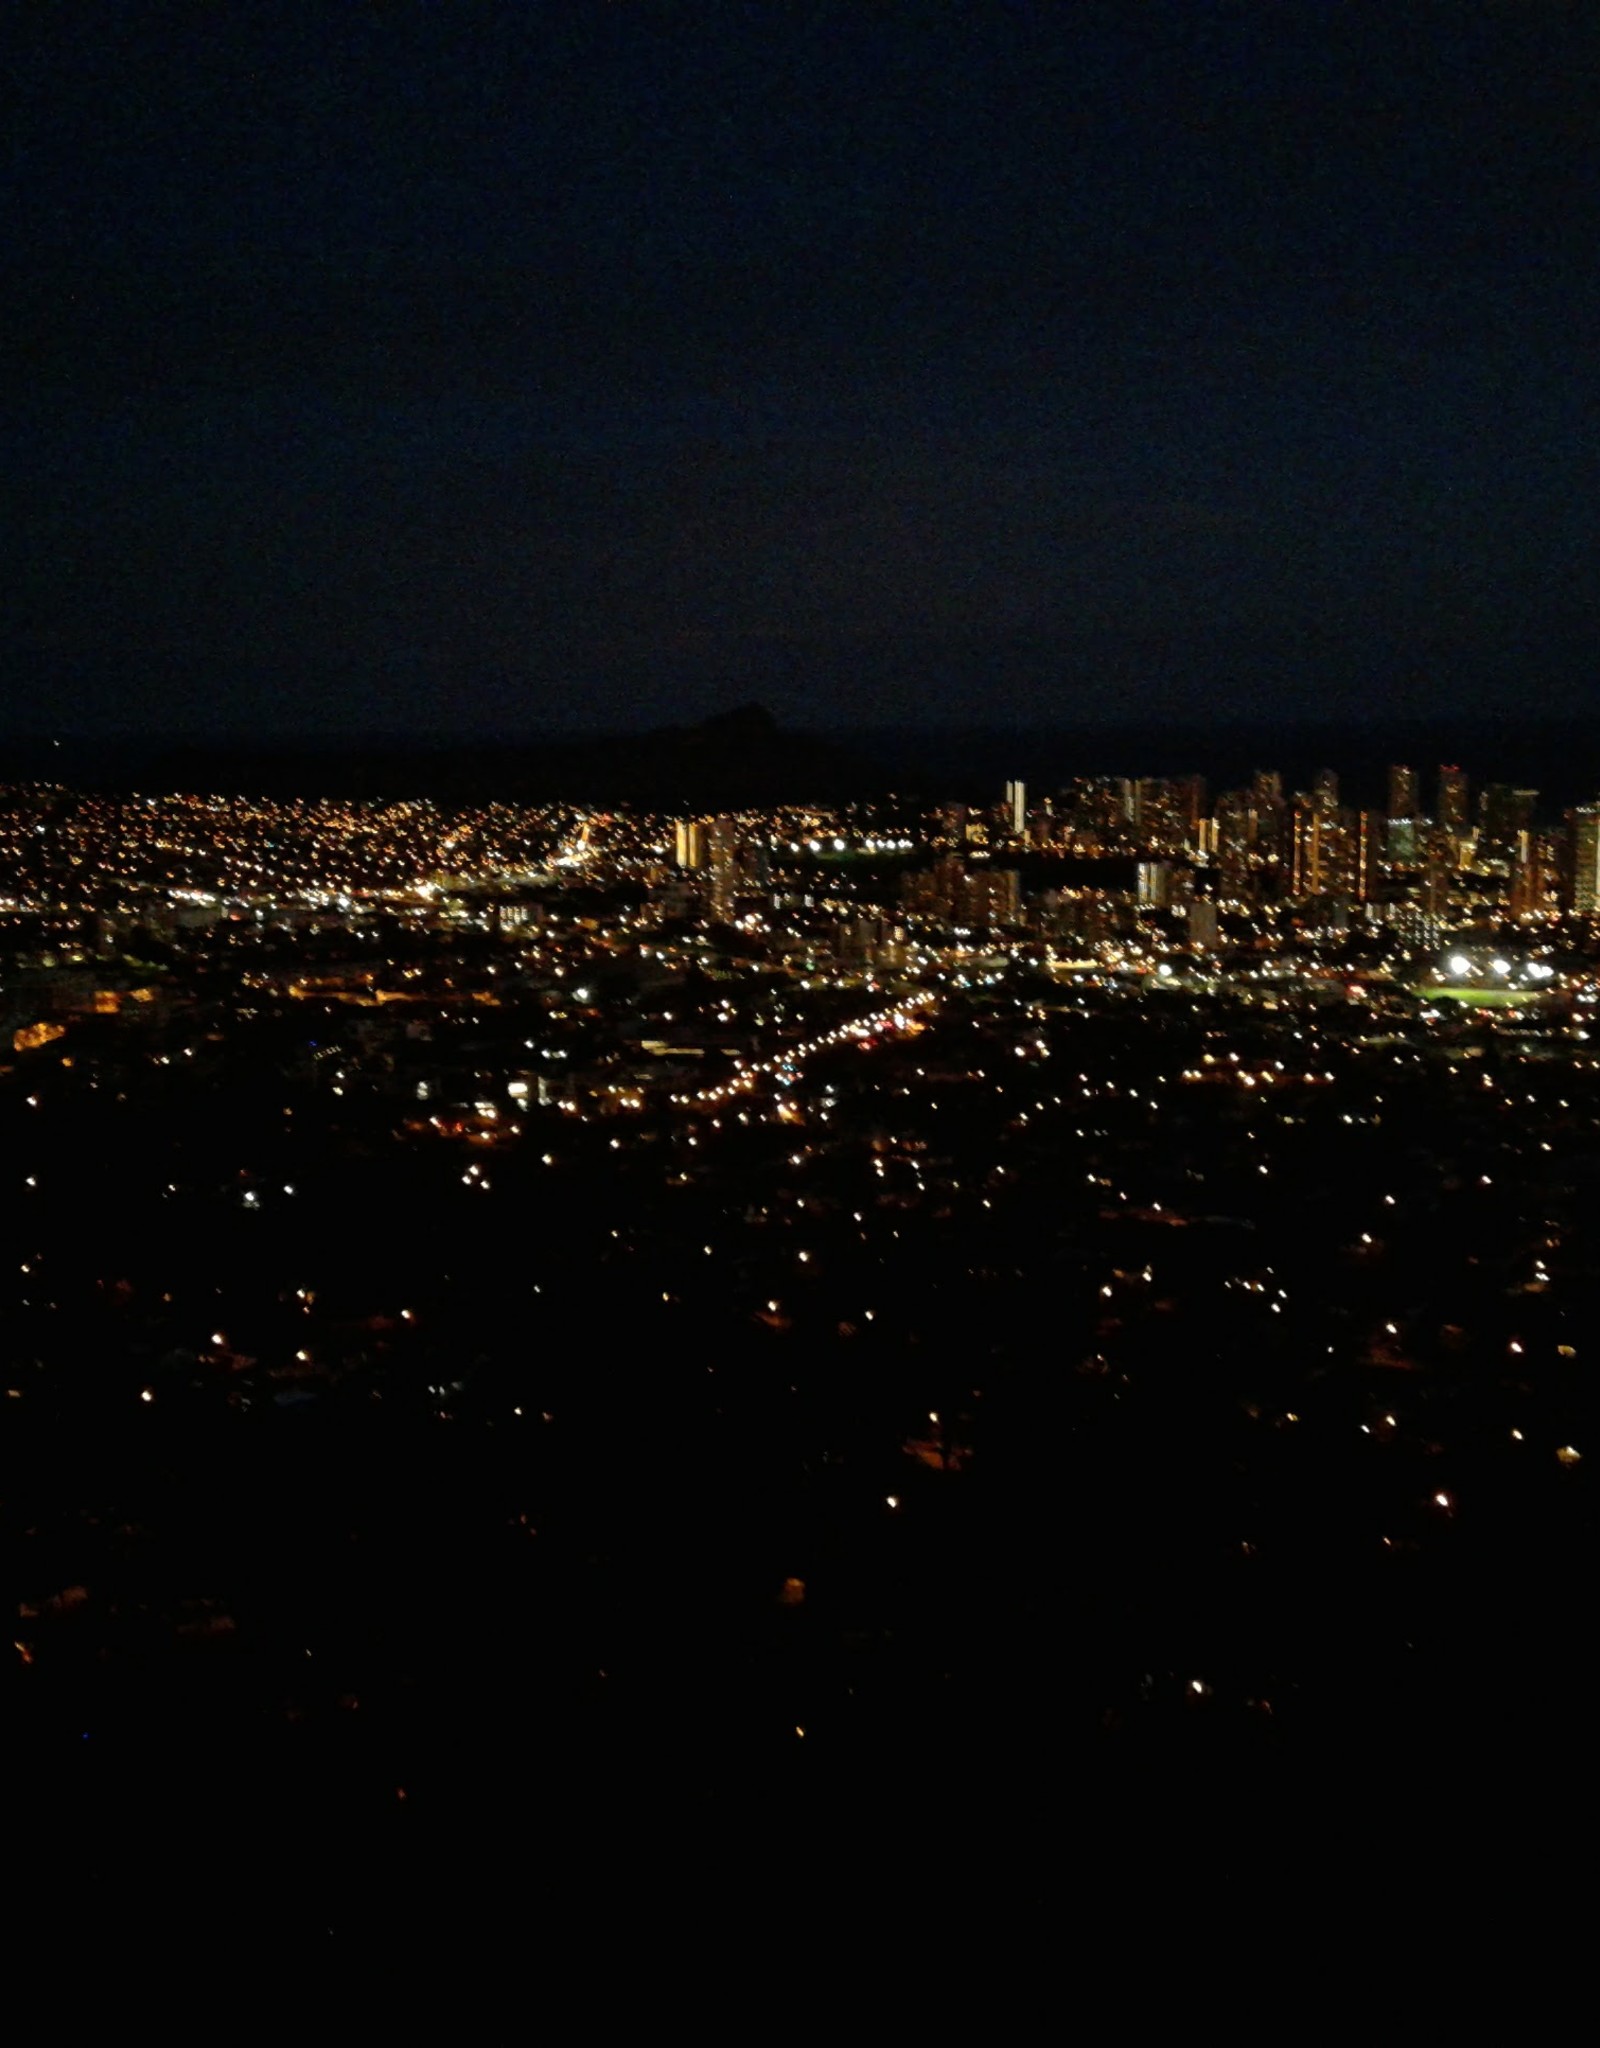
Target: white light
x=1459 y=964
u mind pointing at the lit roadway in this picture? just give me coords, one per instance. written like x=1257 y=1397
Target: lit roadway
x=783 y=1067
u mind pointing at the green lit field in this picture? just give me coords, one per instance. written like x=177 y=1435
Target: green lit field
x=1481 y=998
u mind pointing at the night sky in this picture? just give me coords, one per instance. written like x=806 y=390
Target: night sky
x=470 y=368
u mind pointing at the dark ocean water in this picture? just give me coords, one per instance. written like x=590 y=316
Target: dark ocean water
x=1560 y=760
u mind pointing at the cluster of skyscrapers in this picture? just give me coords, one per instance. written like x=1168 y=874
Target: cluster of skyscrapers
x=1261 y=844
x=1101 y=851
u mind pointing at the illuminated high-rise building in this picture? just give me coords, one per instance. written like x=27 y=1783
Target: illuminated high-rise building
x=1365 y=837
x=689 y=843
x=1084 y=917
x=1403 y=839
x=1434 y=895
x=1017 y=808
x=1530 y=875
x=1586 y=859
x=1167 y=811
x=1504 y=814
x=992 y=896
x=1274 y=822
x=1097 y=809
x=722 y=865
x=1402 y=792
x=1332 y=852
x=1307 y=829
x=1237 y=822
x=962 y=896
x=933 y=891
x=1452 y=807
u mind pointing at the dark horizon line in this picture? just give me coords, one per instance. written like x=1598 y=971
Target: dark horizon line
x=443 y=737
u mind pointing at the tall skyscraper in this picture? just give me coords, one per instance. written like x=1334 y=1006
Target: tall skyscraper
x=1586 y=859
x=1403 y=840
x=722 y=863
x=1017 y=807
x=1504 y=814
x=1306 y=848
x=992 y=896
x=1366 y=840
x=689 y=843
x=1530 y=875
x=1402 y=792
x=1097 y=809
x=1236 y=822
x=1332 y=852
x=1453 y=799
x=1434 y=895
x=935 y=891
x=1167 y=809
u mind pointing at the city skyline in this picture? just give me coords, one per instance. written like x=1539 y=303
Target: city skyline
x=501 y=1292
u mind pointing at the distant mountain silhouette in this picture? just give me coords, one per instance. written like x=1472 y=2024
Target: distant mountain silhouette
x=741 y=757
x=744 y=757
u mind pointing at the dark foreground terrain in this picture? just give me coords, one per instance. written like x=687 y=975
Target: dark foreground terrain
x=1038 y=1433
